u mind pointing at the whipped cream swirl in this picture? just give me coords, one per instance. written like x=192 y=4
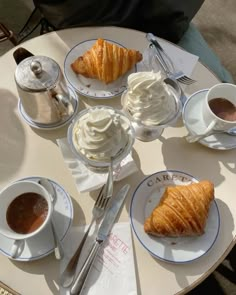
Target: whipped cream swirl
x=148 y=98
x=101 y=134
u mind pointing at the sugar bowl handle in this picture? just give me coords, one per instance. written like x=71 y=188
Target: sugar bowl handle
x=20 y=54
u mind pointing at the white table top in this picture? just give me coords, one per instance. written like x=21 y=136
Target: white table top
x=25 y=151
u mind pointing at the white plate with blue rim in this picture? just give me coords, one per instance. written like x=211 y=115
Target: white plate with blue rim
x=193 y=121
x=174 y=250
x=43 y=244
x=27 y=119
x=93 y=88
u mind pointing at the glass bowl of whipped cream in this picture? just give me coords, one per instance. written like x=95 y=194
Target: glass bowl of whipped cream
x=100 y=135
x=152 y=103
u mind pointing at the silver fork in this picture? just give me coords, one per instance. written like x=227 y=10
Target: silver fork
x=182 y=78
x=179 y=76
x=100 y=205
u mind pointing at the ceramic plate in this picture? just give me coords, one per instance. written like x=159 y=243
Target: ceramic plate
x=175 y=250
x=193 y=121
x=75 y=102
x=43 y=244
x=92 y=87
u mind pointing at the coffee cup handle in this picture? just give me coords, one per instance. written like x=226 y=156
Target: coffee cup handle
x=17 y=248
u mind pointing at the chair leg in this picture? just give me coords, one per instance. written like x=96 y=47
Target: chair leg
x=45 y=27
x=31 y=24
x=13 y=39
x=6 y=34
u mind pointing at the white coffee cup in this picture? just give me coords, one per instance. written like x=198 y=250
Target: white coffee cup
x=7 y=195
x=213 y=122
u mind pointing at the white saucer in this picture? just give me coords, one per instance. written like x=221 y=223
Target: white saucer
x=193 y=121
x=75 y=102
x=43 y=244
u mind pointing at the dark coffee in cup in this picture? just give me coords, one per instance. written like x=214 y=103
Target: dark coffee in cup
x=27 y=212
x=223 y=108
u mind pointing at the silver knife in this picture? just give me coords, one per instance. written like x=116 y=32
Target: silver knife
x=102 y=234
x=159 y=51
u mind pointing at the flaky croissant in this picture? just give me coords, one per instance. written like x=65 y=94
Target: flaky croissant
x=106 y=61
x=182 y=211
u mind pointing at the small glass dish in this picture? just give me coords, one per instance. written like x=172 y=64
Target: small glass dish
x=101 y=166
x=148 y=133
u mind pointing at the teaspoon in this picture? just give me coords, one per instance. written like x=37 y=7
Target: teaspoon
x=193 y=138
x=50 y=188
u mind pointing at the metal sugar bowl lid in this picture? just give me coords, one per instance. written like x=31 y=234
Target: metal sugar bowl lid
x=43 y=91
x=37 y=73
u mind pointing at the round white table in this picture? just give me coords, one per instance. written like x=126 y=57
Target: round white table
x=25 y=151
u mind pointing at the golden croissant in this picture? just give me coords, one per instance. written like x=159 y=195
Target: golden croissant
x=182 y=211
x=106 y=61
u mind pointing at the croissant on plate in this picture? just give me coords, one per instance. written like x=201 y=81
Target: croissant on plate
x=182 y=211
x=106 y=61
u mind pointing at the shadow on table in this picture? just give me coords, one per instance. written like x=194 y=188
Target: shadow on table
x=49 y=266
x=55 y=134
x=51 y=274
x=72 y=242
x=196 y=159
x=79 y=217
x=134 y=178
x=223 y=280
x=12 y=136
x=136 y=267
x=197 y=267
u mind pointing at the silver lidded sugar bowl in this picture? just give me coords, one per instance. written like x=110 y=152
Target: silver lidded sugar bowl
x=43 y=91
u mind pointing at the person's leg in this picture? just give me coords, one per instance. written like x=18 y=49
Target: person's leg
x=193 y=42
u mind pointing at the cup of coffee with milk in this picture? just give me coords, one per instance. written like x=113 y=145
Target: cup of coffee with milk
x=219 y=108
x=25 y=210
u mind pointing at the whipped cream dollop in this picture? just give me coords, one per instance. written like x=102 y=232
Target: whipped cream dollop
x=148 y=99
x=101 y=134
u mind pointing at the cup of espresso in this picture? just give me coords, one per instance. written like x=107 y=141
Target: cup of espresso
x=219 y=107
x=25 y=210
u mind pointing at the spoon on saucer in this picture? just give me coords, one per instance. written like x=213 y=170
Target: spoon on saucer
x=50 y=188
x=193 y=138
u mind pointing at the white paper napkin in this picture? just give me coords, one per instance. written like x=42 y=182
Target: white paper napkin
x=87 y=180
x=113 y=271
x=182 y=60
